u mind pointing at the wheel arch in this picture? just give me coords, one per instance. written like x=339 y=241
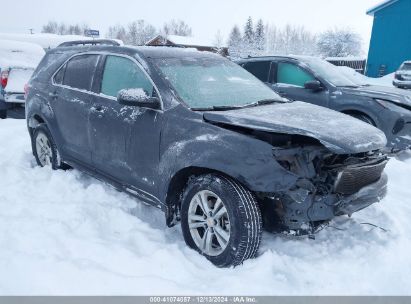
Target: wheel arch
x=355 y=112
x=179 y=182
x=33 y=121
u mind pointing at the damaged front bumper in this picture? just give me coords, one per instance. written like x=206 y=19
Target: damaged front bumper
x=304 y=215
x=365 y=197
x=327 y=187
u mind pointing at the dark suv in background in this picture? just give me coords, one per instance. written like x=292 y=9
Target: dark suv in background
x=317 y=81
x=205 y=141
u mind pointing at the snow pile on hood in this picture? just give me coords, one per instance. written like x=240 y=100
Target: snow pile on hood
x=65 y=233
x=20 y=54
x=361 y=79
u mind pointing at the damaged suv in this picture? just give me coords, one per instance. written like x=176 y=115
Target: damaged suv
x=204 y=140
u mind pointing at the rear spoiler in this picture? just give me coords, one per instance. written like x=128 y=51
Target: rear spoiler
x=89 y=42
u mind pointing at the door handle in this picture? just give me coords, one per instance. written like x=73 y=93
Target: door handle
x=98 y=109
x=53 y=95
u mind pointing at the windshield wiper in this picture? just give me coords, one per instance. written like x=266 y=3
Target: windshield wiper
x=265 y=102
x=226 y=108
x=217 y=108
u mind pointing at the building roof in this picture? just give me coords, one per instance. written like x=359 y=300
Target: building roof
x=380 y=6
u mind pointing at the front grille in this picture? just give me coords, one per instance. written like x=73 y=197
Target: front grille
x=352 y=179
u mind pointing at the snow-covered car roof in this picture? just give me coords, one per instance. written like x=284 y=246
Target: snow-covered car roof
x=19 y=54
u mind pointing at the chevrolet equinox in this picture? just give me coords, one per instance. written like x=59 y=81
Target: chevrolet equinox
x=205 y=141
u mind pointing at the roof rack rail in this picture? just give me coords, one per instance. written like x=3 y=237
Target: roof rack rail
x=90 y=42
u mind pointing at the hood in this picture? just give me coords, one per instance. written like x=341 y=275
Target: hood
x=380 y=92
x=338 y=132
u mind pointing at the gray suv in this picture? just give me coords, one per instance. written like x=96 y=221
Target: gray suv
x=197 y=136
x=318 y=82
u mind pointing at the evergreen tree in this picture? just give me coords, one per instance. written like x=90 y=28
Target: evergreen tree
x=235 y=42
x=260 y=36
x=249 y=32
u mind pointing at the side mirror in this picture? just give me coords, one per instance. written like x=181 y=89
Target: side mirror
x=313 y=85
x=138 y=98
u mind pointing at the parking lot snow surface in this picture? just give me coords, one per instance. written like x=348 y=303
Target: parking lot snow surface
x=65 y=233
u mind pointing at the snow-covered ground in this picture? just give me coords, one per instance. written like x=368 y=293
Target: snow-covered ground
x=66 y=233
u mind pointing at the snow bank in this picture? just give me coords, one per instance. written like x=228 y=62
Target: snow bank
x=19 y=54
x=64 y=233
x=46 y=41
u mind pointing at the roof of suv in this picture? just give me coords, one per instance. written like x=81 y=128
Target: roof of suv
x=145 y=51
x=262 y=58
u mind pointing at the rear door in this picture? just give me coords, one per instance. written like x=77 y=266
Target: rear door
x=260 y=69
x=71 y=100
x=125 y=139
x=289 y=80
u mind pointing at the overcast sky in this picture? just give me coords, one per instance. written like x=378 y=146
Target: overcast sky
x=205 y=17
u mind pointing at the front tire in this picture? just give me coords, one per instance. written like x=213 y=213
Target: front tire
x=221 y=220
x=364 y=118
x=44 y=149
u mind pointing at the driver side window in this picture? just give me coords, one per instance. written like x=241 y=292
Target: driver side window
x=122 y=73
x=292 y=74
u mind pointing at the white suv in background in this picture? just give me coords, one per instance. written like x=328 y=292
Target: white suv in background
x=402 y=78
x=18 y=60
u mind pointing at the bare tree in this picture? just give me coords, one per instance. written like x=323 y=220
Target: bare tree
x=139 y=32
x=176 y=27
x=218 y=40
x=64 y=29
x=339 y=43
x=117 y=32
x=290 y=40
x=51 y=27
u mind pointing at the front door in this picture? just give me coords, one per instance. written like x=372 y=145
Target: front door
x=290 y=80
x=125 y=139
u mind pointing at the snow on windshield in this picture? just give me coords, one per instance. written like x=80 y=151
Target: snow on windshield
x=19 y=54
x=208 y=82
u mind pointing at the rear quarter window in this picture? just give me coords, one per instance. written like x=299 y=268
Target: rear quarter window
x=260 y=69
x=79 y=72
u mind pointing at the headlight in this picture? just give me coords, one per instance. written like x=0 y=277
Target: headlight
x=382 y=102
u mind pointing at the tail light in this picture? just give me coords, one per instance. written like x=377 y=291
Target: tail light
x=4 y=78
x=26 y=90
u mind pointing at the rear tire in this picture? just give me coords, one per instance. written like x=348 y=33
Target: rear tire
x=3 y=114
x=229 y=231
x=44 y=148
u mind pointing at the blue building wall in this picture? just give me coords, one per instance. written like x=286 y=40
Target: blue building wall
x=391 y=39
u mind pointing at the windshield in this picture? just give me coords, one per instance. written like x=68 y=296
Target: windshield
x=405 y=66
x=328 y=71
x=213 y=82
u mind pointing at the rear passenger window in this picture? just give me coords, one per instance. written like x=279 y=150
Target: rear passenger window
x=122 y=73
x=260 y=69
x=80 y=72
